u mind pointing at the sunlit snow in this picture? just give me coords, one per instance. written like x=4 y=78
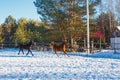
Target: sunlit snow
x=104 y=65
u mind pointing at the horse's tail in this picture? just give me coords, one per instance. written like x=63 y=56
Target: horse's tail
x=16 y=45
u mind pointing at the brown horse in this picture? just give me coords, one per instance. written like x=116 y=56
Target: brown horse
x=59 y=47
x=25 y=46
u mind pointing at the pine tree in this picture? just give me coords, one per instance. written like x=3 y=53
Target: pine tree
x=20 y=34
x=67 y=16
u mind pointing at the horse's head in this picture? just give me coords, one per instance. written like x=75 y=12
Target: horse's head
x=30 y=42
x=65 y=41
x=51 y=44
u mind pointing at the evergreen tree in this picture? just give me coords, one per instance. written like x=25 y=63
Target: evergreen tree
x=20 y=34
x=1 y=36
x=33 y=30
x=8 y=29
x=103 y=23
x=66 y=16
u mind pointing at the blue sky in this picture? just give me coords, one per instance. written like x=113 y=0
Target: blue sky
x=18 y=9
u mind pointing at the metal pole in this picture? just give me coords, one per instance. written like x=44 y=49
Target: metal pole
x=88 y=37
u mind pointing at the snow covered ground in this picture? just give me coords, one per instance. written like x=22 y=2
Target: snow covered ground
x=45 y=66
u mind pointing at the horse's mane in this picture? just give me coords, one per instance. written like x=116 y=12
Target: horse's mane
x=28 y=43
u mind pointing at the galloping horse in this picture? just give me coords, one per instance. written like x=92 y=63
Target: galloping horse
x=26 y=46
x=59 y=47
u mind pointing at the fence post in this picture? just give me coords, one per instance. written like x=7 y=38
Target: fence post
x=115 y=45
x=91 y=47
x=2 y=45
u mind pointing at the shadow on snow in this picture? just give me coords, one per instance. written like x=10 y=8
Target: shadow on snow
x=12 y=52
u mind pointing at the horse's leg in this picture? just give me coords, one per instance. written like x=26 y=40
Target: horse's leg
x=28 y=52
x=19 y=52
x=56 y=53
x=31 y=52
x=66 y=53
x=22 y=51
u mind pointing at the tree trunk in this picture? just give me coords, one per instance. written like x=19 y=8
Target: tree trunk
x=84 y=43
x=100 y=44
x=72 y=41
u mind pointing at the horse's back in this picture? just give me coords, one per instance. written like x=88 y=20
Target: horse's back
x=59 y=47
x=24 y=45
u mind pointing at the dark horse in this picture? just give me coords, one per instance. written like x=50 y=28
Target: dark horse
x=59 y=47
x=26 y=46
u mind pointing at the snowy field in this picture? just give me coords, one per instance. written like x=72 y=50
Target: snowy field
x=45 y=66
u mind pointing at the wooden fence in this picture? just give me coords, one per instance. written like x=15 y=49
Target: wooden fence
x=79 y=47
x=38 y=46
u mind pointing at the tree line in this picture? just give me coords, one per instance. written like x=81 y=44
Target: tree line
x=68 y=17
x=19 y=31
x=63 y=19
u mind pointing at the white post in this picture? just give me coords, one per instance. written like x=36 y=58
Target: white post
x=115 y=45
x=88 y=37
